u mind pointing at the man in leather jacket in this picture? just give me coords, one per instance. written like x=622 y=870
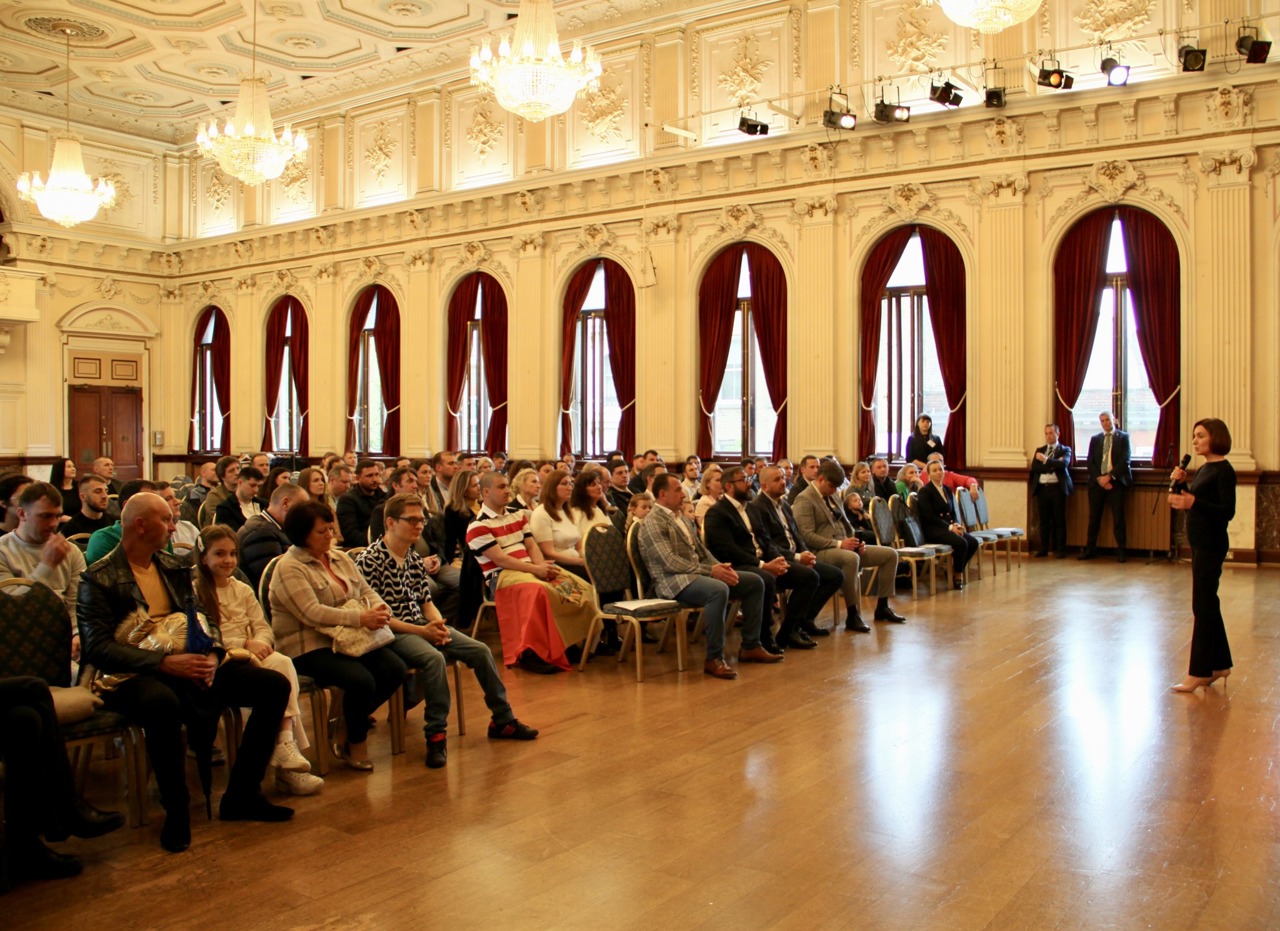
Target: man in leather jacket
x=161 y=691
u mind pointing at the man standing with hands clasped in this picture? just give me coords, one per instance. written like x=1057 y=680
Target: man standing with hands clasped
x=1050 y=486
x=1109 y=477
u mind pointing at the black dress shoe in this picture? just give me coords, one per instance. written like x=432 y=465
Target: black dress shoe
x=34 y=860
x=175 y=836
x=799 y=640
x=813 y=630
x=1121 y=556
x=437 y=752
x=1087 y=554
x=86 y=821
x=855 y=623
x=252 y=808
x=888 y=614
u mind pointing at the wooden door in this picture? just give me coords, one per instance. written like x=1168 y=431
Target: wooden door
x=106 y=421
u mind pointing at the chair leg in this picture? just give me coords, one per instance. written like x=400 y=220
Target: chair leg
x=633 y=630
x=593 y=635
x=628 y=634
x=457 y=699
x=320 y=729
x=681 y=621
x=395 y=718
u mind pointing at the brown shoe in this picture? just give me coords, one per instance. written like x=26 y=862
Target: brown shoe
x=719 y=668
x=759 y=655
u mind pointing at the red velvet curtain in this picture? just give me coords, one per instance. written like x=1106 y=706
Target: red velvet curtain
x=220 y=349
x=717 y=301
x=300 y=369
x=1079 y=272
x=386 y=336
x=359 y=314
x=769 y=316
x=944 y=285
x=575 y=296
x=875 y=276
x=462 y=310
x=493 y=343
x=277 y=326
x=620 y=316
x=1155 y=278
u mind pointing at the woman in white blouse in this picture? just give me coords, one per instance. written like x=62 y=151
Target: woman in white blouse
x=712 y=489
x=587 y=503
x=553 y=526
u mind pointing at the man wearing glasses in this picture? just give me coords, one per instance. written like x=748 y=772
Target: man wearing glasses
x=423 y=640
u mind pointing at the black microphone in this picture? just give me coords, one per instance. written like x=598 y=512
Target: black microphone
x=1176 y=487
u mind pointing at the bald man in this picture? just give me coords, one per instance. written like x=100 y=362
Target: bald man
x=164 y=688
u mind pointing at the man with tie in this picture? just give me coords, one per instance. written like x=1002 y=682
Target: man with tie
x=829 y=534
x=779 y=534
x=1050 y=485
x=1109 y=477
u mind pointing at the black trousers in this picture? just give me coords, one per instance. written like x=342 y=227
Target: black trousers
x=1098 y=497
x=1053 y=518
x=366 y=682
x=830 y=581
x=161 y=704
x=963 y=548
x=1209 y=647
x=770 y=599
x=38 y=791
x=803 y=584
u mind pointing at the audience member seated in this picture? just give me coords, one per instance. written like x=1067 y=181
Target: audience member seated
x=588 y=506
x=940 y=522
x=484 y=464
x=355 y=508
x=619 y=476
x=39 y=791
x=860 y=484
x=92 y=515
x=461 y=507
x=105 y=540
x=808 y=471
x=922 y=442
x=261 y=462
x=709 y=491
x=184 y=531
x=402 y=481
x=541 y=610
x=639 y=481
x=681 y=568
x=233 y=607
x=445 y=466
x=545 y=468
x=831 y=537
x=318 y=596
x=245 y=503
x=735 y=535
x=275 y=478
x=638 y=510
x=262 y=538
x=227 y=470
x=499 y=462
x=10 y=487
x=106 y=467
x=553 y=526
x=313 y=481
x=788 y=473
x=340 y=477
x=350 y=458
x=154 y=682
x=528 y=488
x=908 y=481
x=62 y=476
x=883 y=486
x=954 y=480
x=35 y=550
x=692 y=479
x=423 y=640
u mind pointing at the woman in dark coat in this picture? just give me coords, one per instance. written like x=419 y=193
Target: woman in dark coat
x=940 y=524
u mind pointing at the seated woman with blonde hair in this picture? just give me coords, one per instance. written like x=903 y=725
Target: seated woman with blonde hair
x=908 y=481
x=710 y=490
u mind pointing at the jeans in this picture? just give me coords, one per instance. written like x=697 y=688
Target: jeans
x=713 y=597
x=420 y=653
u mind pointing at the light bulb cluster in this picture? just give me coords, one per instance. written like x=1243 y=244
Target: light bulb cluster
x=246 y=146
x=69 y=196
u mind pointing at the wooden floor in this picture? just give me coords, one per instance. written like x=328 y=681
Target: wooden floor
x=1010 y=758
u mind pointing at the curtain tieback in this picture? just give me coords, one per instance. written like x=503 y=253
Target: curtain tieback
x=1171 y=397
x=865 y=407
x=303 y=415
x=708 y=413
x=631 y=403
x=495 y=407
x=389 y=412
x=778 y=410
x=562 y=411
x=452 y=412
x=958 y=403
x=1061 y=399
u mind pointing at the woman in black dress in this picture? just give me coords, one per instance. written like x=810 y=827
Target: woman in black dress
x=923 y=442
x=62 y=476
x=1210 y=503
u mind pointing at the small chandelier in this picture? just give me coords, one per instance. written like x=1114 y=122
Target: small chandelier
x=530 y=77
x=246 y=146
x=69 y=196
x=988 y=16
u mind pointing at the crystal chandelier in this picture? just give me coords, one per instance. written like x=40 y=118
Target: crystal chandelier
x=988 y=16
x=69 y=196
x=246 y=146
x=529 y=76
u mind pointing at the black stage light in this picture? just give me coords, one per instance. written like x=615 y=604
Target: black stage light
x=839 y=119
x=886 y=112
x=995 y=97
x=1254 y=49
x=945 y=94
x=1117 y=74
x=1192 y=58
x=1052 y=75
x=752 y=127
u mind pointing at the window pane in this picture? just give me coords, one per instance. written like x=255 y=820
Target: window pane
x=932 y=397
x=882 y=393
x=376 y=410
x=763 y=418
x=909 y=272
x=1141 y=409
x=282 y=423
x=473 y=414
x=744 y=280
x=1115 y=250
x=595 y=295
x=1099 y=380
x=727 y=430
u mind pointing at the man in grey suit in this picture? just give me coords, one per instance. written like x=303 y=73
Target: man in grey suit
x=683 y=570
x=828 y=533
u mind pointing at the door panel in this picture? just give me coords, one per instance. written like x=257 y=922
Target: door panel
x=86 y=416
x=106 y=421
x=124 y=429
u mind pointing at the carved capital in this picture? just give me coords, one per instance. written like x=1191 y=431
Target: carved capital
x=1221 y=162
x=526 y=244
x=822 y=207
x=1004 y=187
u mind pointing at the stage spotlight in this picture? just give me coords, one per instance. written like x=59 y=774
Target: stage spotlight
x=945 y=94
x=1254 y=49
x=995 y=97
x=1052 y=75
x=1117 y=74
x=1192 y=58
x=891 y=113
x=752 y=127
x=837 y=119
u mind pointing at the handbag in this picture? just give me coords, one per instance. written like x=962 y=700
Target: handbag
x=357 y=641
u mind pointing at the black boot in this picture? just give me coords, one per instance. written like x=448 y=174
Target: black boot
x=853 y=621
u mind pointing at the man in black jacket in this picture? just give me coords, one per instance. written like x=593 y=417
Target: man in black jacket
x=244 y=503
x=776 y=524
x=734 y=536
x=162 y=691
x=1050 y=486
x=355 y=508
x=262 y=538
x=1109 y=478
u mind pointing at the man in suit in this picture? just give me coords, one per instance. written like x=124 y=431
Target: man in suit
x=445 y=466
x=356 y=506
x=618 y=493
x=881 y=483
x=1109 y=477
x=829 y=534
x=808 y=472
x=262 y=536
x=734 y=536
x=682 y=569
x=1050 y=486
x=777 y=525
x=245 y=503
x=639 y=481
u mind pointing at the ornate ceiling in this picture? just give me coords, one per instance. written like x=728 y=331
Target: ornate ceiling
x=154 y=68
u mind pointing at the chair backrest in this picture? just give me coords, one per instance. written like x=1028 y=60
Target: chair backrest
x=264 y=586
x=180 y=481
x=882 y=522
x=619 y=518
x=204 y=517
x=80 y=539
x=35 y=632
x=968 y=514
x=605 y=552
x=980 y=506
x=897 y=508
x=643 y=579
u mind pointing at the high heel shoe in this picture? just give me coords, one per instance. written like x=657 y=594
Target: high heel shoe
x=343 y=752
x=1190 y=684
x=1219 y=674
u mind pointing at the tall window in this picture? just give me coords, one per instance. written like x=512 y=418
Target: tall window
x=371 y=412
x=744 y=417
x=474 y=412
x=908 y=376
x=373 y=373
x=1116 y=379
x=286 y=377
x=210 y=383
x=594 y=411
x=475 y=396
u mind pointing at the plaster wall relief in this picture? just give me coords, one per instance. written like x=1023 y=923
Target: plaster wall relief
x=381 y=165
x=916 y=40
x=710 y=231
x=742 y=65
x=293 y=194
x=1165 y=187
x=217 y=200
x=949 y=205
x=485 y=144
x=1228 y=108
x=605 y=124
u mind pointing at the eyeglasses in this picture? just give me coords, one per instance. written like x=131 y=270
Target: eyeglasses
x=412 y=521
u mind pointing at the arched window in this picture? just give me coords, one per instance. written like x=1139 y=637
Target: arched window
x=742 y=323
x=1118 y=330
x=373 y=373
x=597 y=389
x=913 y=342
x=287 y=382
x=476 y=366
x=211 y=384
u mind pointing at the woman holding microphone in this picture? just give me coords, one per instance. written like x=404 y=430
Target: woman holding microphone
x=1210 y=503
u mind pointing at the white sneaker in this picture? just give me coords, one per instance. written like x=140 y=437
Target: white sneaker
x=298 y=783
x=287 y=756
